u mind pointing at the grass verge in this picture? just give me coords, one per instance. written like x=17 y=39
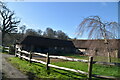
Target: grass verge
x=39 y=70
x=97 y=68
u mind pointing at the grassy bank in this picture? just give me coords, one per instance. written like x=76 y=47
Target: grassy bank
x=39 y=70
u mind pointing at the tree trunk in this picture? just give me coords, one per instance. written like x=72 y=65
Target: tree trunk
x=3 y=34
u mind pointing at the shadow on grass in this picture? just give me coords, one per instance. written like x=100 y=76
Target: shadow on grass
x=66 y=73
x=38 y=64
x=71 y=74
x=31 y=76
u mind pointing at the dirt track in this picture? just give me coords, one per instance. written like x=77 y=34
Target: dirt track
x=11 y=72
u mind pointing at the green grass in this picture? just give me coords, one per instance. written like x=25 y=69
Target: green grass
x=5 y=52
x=75 y=56
x=105 y=59
x=39 y=70
x=106 y=70
x=97 y=69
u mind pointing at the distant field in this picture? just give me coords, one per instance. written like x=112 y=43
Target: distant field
x=96 y=58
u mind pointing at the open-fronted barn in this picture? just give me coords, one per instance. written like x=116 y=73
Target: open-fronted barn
x=98 y=47
x=42 y=44
x=56 y=46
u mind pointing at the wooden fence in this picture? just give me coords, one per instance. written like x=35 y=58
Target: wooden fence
x=6 y=49
x=19 y=53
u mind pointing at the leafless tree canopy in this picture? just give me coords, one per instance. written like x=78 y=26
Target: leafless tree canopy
x=22 y=28
x=96 y=29
x=8 y=20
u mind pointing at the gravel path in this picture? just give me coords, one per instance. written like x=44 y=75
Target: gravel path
x=9 y=71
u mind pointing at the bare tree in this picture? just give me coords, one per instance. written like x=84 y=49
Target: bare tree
x=8 y=21
x=22 y=28
x=96 y=29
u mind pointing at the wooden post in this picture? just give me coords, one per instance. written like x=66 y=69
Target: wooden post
x=109 y=58
x=15 y=51
x=30 y=56
x=20 y=55
x=32 y=47
x=117 y=54
x=90 y=67
x=47 y=61
x=9 y=50
x=3 y=48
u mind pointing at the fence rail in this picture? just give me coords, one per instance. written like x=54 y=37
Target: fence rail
x=50 y=65
x=72 y=59
x=63 y=68
x=6 y=49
